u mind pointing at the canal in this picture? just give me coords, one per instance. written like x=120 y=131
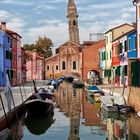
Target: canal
x=76 y=117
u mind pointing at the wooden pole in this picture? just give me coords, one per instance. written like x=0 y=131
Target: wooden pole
x=4 y=111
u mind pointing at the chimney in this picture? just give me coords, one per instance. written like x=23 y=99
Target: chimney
x=134 y=24
x=3 y=26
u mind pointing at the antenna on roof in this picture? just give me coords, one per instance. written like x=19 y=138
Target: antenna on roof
x=96 y=36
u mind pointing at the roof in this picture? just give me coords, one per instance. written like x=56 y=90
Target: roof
x=118 y=27
x=133 y=30
x=10 y=32
x=51 y=57
x=93 y=44
x=68 y=43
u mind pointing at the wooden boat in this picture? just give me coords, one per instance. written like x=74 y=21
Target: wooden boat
x=36 y=107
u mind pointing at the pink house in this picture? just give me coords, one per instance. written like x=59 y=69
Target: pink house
x=34 y=66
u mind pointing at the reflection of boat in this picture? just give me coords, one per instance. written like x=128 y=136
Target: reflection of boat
x=93 y=89
x=69 y=79
x=114 y=104
x=39 y=125
x=37 y=107
x=114 y=115
x=77 y=83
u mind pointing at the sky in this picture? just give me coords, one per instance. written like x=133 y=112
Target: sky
x=33 y=18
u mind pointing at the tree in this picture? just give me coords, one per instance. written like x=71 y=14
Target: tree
x=44 y=46
x=29 y=47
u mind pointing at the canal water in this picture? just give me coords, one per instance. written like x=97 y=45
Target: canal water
x=76 y=117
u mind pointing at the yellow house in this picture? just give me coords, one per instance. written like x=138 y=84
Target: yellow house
x=111 y=35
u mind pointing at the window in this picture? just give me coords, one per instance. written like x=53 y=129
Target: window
x=125 y=70
x=74 y=22
x=110 y=55
x=74 y=65
x=135 y=42
x=48 y=68
x=63 y=65
x=125 y=46
x=8 y=39
x=7 y=54
x=120 y=48
x=129 y=44
x=56 y=67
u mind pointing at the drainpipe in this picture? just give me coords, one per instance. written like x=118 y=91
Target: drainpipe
x=135 y=4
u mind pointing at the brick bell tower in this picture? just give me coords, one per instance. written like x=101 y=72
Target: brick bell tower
x=72 y=16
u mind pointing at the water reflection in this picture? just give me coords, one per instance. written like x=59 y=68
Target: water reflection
x=69 y=102
x=76 y=119
x=15 y=132
x=90 y=115
x=39 y=125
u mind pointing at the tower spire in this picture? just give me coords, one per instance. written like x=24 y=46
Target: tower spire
x=72 y=16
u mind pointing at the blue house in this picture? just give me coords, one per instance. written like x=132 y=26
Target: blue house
x=5 y=56
x=131 y=38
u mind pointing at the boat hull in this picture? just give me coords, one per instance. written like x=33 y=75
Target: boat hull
x=37 y=107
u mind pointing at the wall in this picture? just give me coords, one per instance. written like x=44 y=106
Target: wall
x=91 y=57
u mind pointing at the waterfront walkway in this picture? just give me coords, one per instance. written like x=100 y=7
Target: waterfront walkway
x=131 y=94
x=20 y=95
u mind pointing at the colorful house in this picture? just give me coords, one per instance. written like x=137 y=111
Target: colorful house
x=137 y=4
x=111 y=35
x=132 y=44
x=115 y=63
x=6 y=54
x=18 y=56
x=34 y=66
x=23 y=61
x=14 y=61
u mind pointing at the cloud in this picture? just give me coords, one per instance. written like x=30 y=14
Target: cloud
x=57 y=33
x=4 y=14
x=16 y=2
x=16 y=24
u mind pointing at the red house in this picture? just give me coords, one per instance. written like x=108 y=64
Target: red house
x=14 y=61
x=23 y=67
x=91 y=58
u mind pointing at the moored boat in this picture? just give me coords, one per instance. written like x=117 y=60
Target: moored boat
x=37 y=106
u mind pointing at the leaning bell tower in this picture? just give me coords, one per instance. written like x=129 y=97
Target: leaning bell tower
x=72 y=16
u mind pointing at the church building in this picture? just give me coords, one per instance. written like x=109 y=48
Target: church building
x=68 y=57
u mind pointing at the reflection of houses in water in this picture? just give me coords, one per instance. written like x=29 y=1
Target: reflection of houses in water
x=69 y=102
x=123 y=128
x=90 y=116
x=133 y=123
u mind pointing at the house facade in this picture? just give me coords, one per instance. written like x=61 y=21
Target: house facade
x=112 y=35
x=91 y=59
x=6 y=54
x=66 y=62
x=23 y=62
x=137 y=4
x=34 y=66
